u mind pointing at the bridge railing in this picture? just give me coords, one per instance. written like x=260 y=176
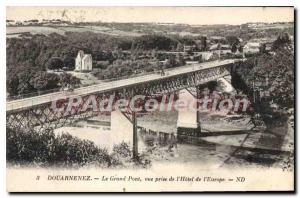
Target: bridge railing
x=32 y=94
x=37 y=93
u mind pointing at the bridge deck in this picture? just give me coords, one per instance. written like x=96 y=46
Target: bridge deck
x=106 y=86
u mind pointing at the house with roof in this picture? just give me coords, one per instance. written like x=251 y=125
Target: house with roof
x=83 y=62
x=251 y=47
x=219 y=47
x=189 y=48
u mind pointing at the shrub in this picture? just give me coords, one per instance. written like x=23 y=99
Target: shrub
x=55 y=63
x=47 y=149
x=123 y=150
x=68 y=79
x=122 y=156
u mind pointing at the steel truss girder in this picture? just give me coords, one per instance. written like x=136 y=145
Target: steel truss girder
x=40 y=118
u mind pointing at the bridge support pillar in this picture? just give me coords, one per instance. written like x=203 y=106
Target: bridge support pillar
x=225 y=86
x=121 y=128
x=124 y=129
x=228 y=78
x=188 y=123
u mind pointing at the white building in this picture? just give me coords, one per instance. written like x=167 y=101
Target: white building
x=206 y=55
x=188 y=48
x=219 y=47
x=251 y=47
x=83 y=62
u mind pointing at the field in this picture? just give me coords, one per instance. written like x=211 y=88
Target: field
x=15 y=31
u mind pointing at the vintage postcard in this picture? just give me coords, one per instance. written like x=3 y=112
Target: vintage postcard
x=150 y=99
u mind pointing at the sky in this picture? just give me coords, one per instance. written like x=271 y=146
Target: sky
x=186 y=15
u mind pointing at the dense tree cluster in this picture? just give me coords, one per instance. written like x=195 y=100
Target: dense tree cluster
x=28 y=80
x=124 y=68
x=55 y=63
x=282 y=41
x=272 y=77
x=159 y=42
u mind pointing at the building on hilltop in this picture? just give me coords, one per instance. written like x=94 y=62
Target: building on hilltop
x=83 y=62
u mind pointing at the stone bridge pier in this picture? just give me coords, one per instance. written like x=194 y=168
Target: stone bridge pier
x=124 y=129
x=188 y=123
x=121 y=128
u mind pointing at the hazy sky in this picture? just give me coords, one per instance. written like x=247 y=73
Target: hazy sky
x=188 y=15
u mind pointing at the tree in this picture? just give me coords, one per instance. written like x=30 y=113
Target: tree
x=171 y=62
x=43 y=80
x=12 y=84
x=55 y=63
x=240 y=48
x=69 y=62
x=262 y=48
x=202 y=43
x=283 y=40
x=232 y=40
x=234 y=48
x=181 y=60
x=39 y=81
x=24 y=76
x=179 y=47
x=155 y=41
x=68 y=79
x=281 y=77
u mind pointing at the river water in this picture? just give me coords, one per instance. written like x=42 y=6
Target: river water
x=230 y=144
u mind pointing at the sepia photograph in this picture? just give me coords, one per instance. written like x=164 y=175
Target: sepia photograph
x=150 y=99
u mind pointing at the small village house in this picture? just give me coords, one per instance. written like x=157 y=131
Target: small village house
x=251 y=47
x=83 y=62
